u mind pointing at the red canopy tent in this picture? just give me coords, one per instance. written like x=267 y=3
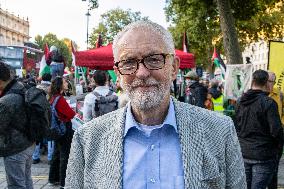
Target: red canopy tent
x=102 y=58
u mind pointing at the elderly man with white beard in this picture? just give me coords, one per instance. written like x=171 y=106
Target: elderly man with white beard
x=154 y=141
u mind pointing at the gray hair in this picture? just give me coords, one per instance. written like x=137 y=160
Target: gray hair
x=165 y=34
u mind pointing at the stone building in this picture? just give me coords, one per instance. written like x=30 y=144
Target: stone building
x=13 y=29
x=257 y=54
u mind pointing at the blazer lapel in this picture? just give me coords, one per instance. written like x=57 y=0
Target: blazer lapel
x=113 y=152
x=192 y=144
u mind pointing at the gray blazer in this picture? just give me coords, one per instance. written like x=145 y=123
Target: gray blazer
x=210 y=151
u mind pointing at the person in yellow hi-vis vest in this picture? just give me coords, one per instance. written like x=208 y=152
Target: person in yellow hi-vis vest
x=217 y=96
x=277 y=96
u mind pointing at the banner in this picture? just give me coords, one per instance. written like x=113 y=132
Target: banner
x=238 y=80
x=276 y=62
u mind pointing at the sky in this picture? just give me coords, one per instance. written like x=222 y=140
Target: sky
x=66 y=18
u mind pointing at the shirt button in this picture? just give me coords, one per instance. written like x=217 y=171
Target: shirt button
x=152 y=147
x=152 y=180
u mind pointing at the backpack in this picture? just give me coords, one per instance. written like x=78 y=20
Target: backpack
x=58 y=128
x=38 y=113
x=105 y=104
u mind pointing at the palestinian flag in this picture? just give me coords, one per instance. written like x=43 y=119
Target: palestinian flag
x=218 y=62
x=112 y=75
x=44 y=68
x=73 y=54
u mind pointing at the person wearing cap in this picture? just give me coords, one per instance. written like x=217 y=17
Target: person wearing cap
x=195 y=92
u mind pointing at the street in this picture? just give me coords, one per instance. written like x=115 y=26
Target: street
x=40 y=175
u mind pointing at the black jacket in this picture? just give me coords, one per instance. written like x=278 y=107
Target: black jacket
x=199 y=94
x=258 y=126
x=13 y=119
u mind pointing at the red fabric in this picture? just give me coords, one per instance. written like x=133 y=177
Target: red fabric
x=215 y=54
x=48 y=58
x=102 y=58
x=46 y=51
x=65 y=113
x=186 y=59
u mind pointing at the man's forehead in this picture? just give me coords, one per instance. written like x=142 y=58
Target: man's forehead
x=140 y=36
x=141 y=42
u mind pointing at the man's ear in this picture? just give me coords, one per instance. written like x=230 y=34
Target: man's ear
x=175 y=67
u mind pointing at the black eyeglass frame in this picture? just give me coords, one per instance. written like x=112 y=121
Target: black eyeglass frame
x=141 y=60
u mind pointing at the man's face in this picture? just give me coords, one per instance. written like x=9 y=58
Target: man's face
x=146 y=88
x=271 y=82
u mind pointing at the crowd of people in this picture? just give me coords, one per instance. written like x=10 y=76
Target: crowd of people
x=137 y=135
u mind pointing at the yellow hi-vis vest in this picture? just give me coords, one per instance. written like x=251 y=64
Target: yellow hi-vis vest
x=218 y=104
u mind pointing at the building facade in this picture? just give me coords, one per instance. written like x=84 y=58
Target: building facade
x=13 y=29
x=257 y=54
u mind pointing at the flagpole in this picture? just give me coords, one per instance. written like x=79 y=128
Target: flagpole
x=88 y=15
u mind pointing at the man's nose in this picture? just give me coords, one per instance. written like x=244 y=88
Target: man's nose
x=142 y=71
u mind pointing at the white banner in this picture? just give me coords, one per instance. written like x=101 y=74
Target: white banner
x=237 y=80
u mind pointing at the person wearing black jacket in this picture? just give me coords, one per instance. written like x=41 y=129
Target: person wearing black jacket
x=259 y=131
x=15 y=146
x=196 y=93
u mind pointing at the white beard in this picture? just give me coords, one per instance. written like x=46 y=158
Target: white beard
x=150 y=98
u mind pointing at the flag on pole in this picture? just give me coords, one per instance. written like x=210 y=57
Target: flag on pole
x=112 y=75
x=44 y=68
x=73 y=54
x=218 y=62
x=184 y=43
x=99 y=41
x=79 y=71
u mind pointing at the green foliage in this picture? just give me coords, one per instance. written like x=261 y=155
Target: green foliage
x=112 y=22
x=51 y=39
x=200 y=19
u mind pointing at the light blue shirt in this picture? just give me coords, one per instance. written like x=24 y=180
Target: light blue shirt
x=152 y=160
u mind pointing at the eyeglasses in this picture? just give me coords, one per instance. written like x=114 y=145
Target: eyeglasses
x=151 y=62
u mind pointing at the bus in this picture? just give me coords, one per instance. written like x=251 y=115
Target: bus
x=23 y=59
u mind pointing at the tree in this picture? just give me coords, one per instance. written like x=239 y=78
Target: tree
x=230 y=37
x=51 y=39
x=112 y=22
x=201 y=20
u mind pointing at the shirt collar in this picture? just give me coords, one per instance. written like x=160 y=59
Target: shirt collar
x=98 y=88
x=169 y=120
